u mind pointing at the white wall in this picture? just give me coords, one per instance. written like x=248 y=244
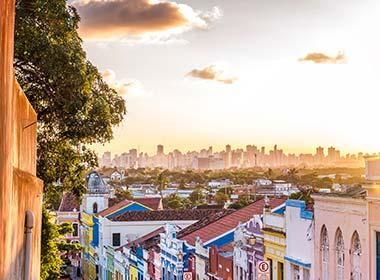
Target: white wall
x=130 y=231
x=300 y=242
x=90 y=199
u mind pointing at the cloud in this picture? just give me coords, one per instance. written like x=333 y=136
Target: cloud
x=117 y=19
x=322 y=58
x=123 y=87
x=211 y=72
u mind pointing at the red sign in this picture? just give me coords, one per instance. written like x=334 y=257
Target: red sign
x=263 y=270
x=187 y=276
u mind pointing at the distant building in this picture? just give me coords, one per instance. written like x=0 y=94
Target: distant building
x=372 y=164
x=160 y=150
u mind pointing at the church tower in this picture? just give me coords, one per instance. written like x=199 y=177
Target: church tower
x=98 y=193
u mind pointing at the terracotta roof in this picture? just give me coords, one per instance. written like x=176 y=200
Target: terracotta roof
x=147 y=241
x=115 y=207
x=164 y=215
x=210 y=206
x=154 y=203
x=112 y=201
x=204 y=222
x=69 y=202
x=230 y=221
x=108 y=172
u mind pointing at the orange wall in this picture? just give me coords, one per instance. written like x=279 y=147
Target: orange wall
x=20 y=189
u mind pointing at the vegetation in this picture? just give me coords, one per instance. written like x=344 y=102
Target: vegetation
x=197 y=197
x=52 y=245
x=241 y=202
x=122 y=194
x=221 y=198
x=175 y=202
x=75 y=107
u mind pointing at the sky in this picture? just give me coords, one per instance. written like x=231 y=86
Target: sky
x=297 y=73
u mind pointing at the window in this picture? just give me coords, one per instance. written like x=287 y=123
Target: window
x=280 y=271
x=324 y=254
x=76 y=230
x=295 y=272
x=115 y=239
x=356 y=252
x=339 y=255
x=270 y=267
x=95 y=208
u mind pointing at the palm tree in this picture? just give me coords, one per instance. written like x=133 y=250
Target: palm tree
x=292 y=175
x=162 y=183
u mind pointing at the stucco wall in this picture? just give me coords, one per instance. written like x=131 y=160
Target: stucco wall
x=349 y=215
x=20 y=190
x=300 y=244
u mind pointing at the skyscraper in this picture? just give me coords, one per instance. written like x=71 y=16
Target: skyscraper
x=160 y=150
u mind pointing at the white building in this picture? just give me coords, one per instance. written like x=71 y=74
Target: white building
x=299 y=256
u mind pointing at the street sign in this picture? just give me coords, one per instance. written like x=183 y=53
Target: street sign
x=187 y=276
x=263 y=269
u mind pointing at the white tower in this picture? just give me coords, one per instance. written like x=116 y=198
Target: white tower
x=96 y=198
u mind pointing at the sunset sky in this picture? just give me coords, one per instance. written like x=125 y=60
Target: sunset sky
x=299 y=73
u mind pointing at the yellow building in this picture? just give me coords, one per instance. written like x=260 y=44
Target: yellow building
x=133 y=272
x=275 y=241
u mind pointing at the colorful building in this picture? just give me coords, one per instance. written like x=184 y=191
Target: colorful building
x=275 y=240
x=221 y=263
x=248 y=248
x=341 y=241
x=299 y=258
x=219 y=231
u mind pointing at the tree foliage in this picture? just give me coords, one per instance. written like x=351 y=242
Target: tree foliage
x=122 y=194
x=197 y=197
x=221 y=198
x=52 y=244
x=75 y=107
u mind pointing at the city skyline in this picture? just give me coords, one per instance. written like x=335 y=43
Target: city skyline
x=220 y=148
x=249 y=156
x=232 y=71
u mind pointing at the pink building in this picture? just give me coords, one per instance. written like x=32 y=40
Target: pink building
x=341 y=236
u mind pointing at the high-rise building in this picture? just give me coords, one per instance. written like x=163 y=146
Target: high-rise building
x=320 y=155
x=160 y=150
x=106 y=159
x=331 y=154
x=228 y=156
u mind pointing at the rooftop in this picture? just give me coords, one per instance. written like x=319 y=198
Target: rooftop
x=356 y=192
x=230 y=221
x=69 y=203
x=154 y=203
x=164 y=215
x=147 y=241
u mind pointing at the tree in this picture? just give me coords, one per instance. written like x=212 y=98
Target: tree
x=221 y=198
x=269 y=174
x=75 y=107
x=242 y=201
x=292 y=176
x=197 y=197
x=162 y=183
x=122 y=194
x=52 y=244
x=173 y=201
